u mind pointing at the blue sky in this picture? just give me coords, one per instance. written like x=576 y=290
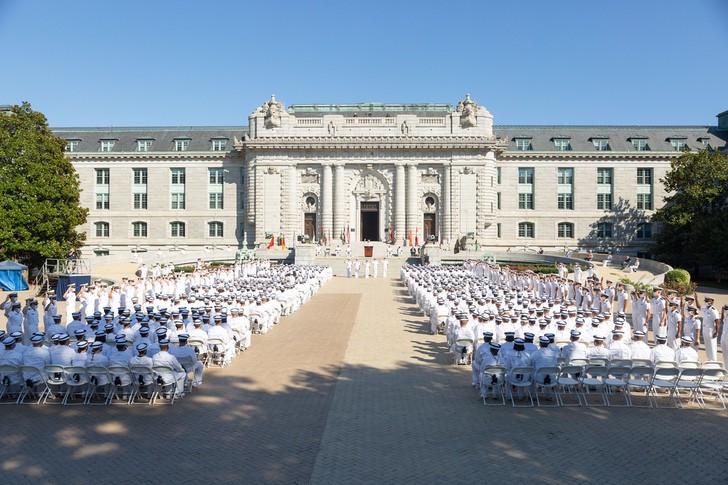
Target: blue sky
x=145 y=63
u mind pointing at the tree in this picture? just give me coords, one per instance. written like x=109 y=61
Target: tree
x=40 y=204
x=694 y=219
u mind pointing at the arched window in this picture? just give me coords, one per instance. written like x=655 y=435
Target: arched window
x=214 y=229
x=566 y=229
x=139 y=229
x=102 y=229
x=526 y=229
x=177 y=229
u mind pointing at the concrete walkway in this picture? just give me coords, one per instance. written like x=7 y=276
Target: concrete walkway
x=352 y=389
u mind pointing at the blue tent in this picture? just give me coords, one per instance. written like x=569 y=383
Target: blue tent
x=11 y=276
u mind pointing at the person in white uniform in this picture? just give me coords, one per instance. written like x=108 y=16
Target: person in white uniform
x=711 y=326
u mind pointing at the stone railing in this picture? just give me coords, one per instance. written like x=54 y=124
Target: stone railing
x=305 y=122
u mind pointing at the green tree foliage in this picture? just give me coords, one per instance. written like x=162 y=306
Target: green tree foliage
x=40 y=204
x=694 y=219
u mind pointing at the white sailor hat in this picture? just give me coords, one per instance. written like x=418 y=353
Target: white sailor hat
x=8 y=341
x=639 y=333
x=488 y=334
x=141 y=347
x=686 y=339
x=599 y=338
x=36 y=338
x=82 y=344
x=161 y=331
x=543 y=339
x=16 y=334
x=97 y=345
x=575 y=333
x=495 y=345
x=164 y=341
x=617 y=332
x=183 y=336
x=64 y=337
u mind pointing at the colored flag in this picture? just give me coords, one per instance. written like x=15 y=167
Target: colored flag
x=272 y=242
x=391 y=234
x=410 y=237
x=348 y=234
x=283 y=242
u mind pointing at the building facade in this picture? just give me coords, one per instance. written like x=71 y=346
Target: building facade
x=376 y=172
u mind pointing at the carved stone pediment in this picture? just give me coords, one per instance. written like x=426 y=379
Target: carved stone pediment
x=468 y=110
x=431 y=177
x=369 y=187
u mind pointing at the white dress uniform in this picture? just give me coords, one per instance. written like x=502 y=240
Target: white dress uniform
x=710 y=315
x=163 y=357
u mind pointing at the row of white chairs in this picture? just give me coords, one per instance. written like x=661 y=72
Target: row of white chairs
x=90 y=385
x=635 y=385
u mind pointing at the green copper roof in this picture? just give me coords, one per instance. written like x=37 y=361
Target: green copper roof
x=374 y=107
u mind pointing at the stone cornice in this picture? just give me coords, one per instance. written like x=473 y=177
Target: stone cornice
x=149 y=156
x=374 y=142
x=603 y=155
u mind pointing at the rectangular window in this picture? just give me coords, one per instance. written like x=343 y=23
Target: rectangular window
x=601 y=144
x=178 y=200
x=144 y=145
x=644 y=230
x=139 y=229
x=177 y=229
x=215 y=229
x=71 y=145
x=498 y=200
x=102 y=176
x=107 y=145
x=604 y=230
x=562 y=144
x=140 y=201
x=640 y=144
x=181 y=145
x=218 y=145
x=526 y=229
x=525 y=201
x=566 y=229
x=140 y=176
x=604 y=176
x=178 y=176
x=102 y=229
x=565 y=201
x=678 y=143
x=498 y=175
x=525 y=175
x=644 y=202
x=565 y=176
x=498 y=229
x=604 y=201
x=644 y=176
x=216 y=200
x=217 y=176
x=523 y=144
x=102 y=200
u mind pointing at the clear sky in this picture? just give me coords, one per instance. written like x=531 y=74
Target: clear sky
x=164 y=62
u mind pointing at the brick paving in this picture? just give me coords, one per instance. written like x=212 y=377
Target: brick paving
x=352 y=389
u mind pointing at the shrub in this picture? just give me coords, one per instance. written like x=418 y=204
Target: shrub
x=536 y=268
x=678 y=275
x=681 y=288
x=184 y=269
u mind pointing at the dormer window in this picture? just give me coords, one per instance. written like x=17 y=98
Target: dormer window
x=72 y=145
x=181 y=144
x=562 y=144
x=107 y=145
x=678 y=143
x=144 y=145
x=640 y=144
x=601 y=144
x=219 y=144
x=705 y=141
x=523 y=144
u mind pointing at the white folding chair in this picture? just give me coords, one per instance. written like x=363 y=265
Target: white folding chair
x=34 y=383
x=521 y=380
x=545 y=380
x=603 y=361
x=76 y=385
x=200 y=349
x=713 y=383
x=568 y=382
x=11 y=385
x=466 y=343
x=492 y=381
x=122 y=382
x=143 y=382
x=689 y=381
x=166 y=383
x=100 y=385
x=55 y=380
x=594 y=378
x=665 y=379
x=616 y=383
x=639 y=378
x=216 y=351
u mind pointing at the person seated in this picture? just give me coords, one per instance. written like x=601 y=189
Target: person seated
x=461 y=348
x=627 y=262
x=686 y=352
x=635 y=266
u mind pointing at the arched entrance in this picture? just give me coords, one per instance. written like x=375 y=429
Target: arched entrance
x=370 y=195
x=369 y=221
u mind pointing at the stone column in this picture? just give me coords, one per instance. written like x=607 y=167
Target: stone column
x=339 y=202
x=413 y=215
x=400 y=198
x=446 y=221
x=292 y=222
x=327 y=201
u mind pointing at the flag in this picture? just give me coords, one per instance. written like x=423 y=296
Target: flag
x=272 y=242
x=417 y=236
x=283 y=242
x=348 y=234
x=391 y=234
x=410 y=237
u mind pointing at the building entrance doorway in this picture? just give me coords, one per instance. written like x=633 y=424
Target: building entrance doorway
x=309 y=225
x=429 y=225
x=369 y=221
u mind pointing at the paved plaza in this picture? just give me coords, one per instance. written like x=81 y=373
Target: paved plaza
x=353 y=389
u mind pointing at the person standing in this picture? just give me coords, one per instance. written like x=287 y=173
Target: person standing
x=640 y=311
x=711 y=326
x=724 y=336
x=366 y=269
x=659 y=315
x=385 y=265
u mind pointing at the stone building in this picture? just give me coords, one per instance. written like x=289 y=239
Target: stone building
x=376 y=172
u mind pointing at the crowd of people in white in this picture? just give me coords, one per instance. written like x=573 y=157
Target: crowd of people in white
x=179 y=321
x=492 y=315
